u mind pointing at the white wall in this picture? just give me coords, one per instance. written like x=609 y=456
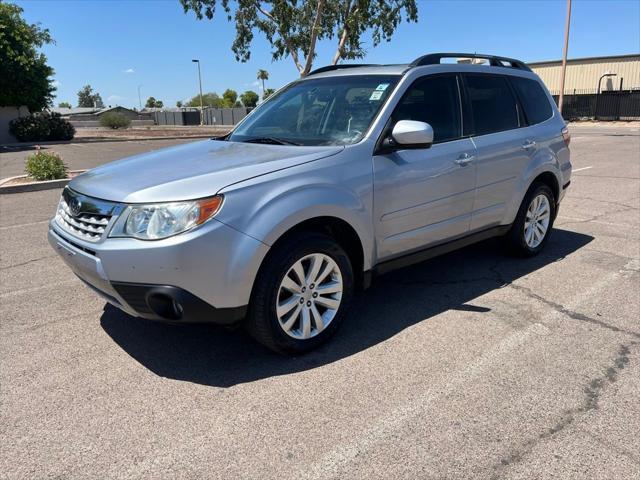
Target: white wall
x=6 y=115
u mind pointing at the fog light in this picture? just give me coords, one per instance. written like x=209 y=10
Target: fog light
x=165 y=306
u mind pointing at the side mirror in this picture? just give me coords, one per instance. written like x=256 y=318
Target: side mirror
x=412 y=134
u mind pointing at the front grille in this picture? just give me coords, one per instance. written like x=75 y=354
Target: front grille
x=90 y=219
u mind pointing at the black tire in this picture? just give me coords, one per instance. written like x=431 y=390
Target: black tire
x=515 y=238
x=262 y=322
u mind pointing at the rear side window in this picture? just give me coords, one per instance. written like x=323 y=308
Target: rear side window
x=434 y=100
x=493 y=105
x=534 y=100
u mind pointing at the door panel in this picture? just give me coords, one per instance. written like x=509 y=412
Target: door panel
x=501 y=160
x=497 y=120
x=422 y=197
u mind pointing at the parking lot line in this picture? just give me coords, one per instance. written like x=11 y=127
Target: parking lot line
x=580 y=169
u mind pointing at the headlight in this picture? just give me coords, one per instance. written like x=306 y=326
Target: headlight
x=162 y=220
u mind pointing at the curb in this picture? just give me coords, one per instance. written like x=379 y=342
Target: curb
x=102 y=140
x=34 y=186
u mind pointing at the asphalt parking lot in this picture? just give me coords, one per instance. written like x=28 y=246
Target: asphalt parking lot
x=474 y=365
x=81 y=155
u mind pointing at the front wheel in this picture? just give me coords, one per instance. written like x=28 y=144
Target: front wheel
x=301 y=294
x=534 y=221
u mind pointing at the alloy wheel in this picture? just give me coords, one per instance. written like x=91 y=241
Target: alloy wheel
x=537 y=220
x=309 y=296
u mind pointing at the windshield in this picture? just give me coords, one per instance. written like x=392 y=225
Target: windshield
x=324 y=111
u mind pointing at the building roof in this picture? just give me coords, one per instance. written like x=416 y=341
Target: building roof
x=74 y=111
x=117 y=107
x=611 y=58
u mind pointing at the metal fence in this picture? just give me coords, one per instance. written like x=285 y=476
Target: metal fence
x=607 y=105
x=210 y=116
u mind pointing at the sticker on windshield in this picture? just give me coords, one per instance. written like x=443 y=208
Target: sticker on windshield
x=376 y=95
x=382 y=86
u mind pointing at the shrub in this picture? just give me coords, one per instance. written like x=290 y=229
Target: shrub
x=45 y=166
x=39 y=127
x=114 y=120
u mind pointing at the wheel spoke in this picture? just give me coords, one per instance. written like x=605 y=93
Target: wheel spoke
x=286 y=326
x=327 y=288
x=299 y=269
x=536 y=234
x=317 y=318
x=528 y=235
x=314 y=268
x=328 y=302
x=287 y=306
x=289 y=284
x=328 y=268
x=305 y=325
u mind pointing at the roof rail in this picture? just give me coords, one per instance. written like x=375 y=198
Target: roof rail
x=494 y=61
x=329 y=68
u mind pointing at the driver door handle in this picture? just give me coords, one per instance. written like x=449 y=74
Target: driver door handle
x=528 y=144
x=464 y=159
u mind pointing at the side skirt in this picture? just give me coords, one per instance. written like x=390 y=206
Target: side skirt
x=431 y=252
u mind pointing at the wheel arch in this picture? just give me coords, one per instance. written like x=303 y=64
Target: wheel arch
x=338 y=229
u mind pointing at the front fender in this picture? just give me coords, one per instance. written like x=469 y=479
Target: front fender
x=266 y=212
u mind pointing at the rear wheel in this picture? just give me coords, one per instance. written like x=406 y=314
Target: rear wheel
x=301 y=294
x=534 y=221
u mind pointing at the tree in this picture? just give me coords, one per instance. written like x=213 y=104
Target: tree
x=262 y=76
x=86 y=98
x=24 y=73
x=64 y=105
x=229 y=98
x=249 y=98
x=153 y=103
x=293 y=28
x=208 y=100
x=267 y=93
x=179 y=103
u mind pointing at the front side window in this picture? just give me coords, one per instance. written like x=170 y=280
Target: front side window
x=534 y=101
x=433 y=100
x=493 y=106
x=325 y=111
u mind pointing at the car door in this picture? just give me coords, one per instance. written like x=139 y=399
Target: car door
x=503 y=150
x=425 y=196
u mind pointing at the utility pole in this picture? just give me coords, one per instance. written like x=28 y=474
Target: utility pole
x=139 y=97
x=200 y=83
x=564 y=56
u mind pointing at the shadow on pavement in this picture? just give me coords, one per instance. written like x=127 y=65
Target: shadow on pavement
x=214 y=356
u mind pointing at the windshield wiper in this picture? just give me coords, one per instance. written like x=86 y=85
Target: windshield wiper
x=271 y=141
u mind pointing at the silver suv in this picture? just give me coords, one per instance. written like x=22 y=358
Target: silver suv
x=346 y=174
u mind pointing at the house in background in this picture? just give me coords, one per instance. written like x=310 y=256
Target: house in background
x=81 y=117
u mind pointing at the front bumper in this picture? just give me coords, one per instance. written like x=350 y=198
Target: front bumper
x=204 y=275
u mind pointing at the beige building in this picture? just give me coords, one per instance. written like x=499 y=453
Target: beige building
x=583 y=73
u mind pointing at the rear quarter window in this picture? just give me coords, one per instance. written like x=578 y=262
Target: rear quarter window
x=533 y=99
x=493 y=105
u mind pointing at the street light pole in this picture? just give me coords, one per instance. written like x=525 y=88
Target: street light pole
x=139 y=97
x=564 y=56
x=200 y=83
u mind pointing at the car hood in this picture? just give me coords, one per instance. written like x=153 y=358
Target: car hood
x=190 y=171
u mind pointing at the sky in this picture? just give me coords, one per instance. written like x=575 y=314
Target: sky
x=118 y=45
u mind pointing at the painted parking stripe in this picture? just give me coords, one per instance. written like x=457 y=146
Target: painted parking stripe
x=581 y=169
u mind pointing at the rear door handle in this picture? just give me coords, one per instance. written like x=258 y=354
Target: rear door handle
x=528 y=144
x=464 y=159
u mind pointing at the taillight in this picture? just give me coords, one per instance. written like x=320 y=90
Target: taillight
x=566 y=136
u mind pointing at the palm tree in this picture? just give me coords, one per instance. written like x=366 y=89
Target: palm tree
x=263 y=75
